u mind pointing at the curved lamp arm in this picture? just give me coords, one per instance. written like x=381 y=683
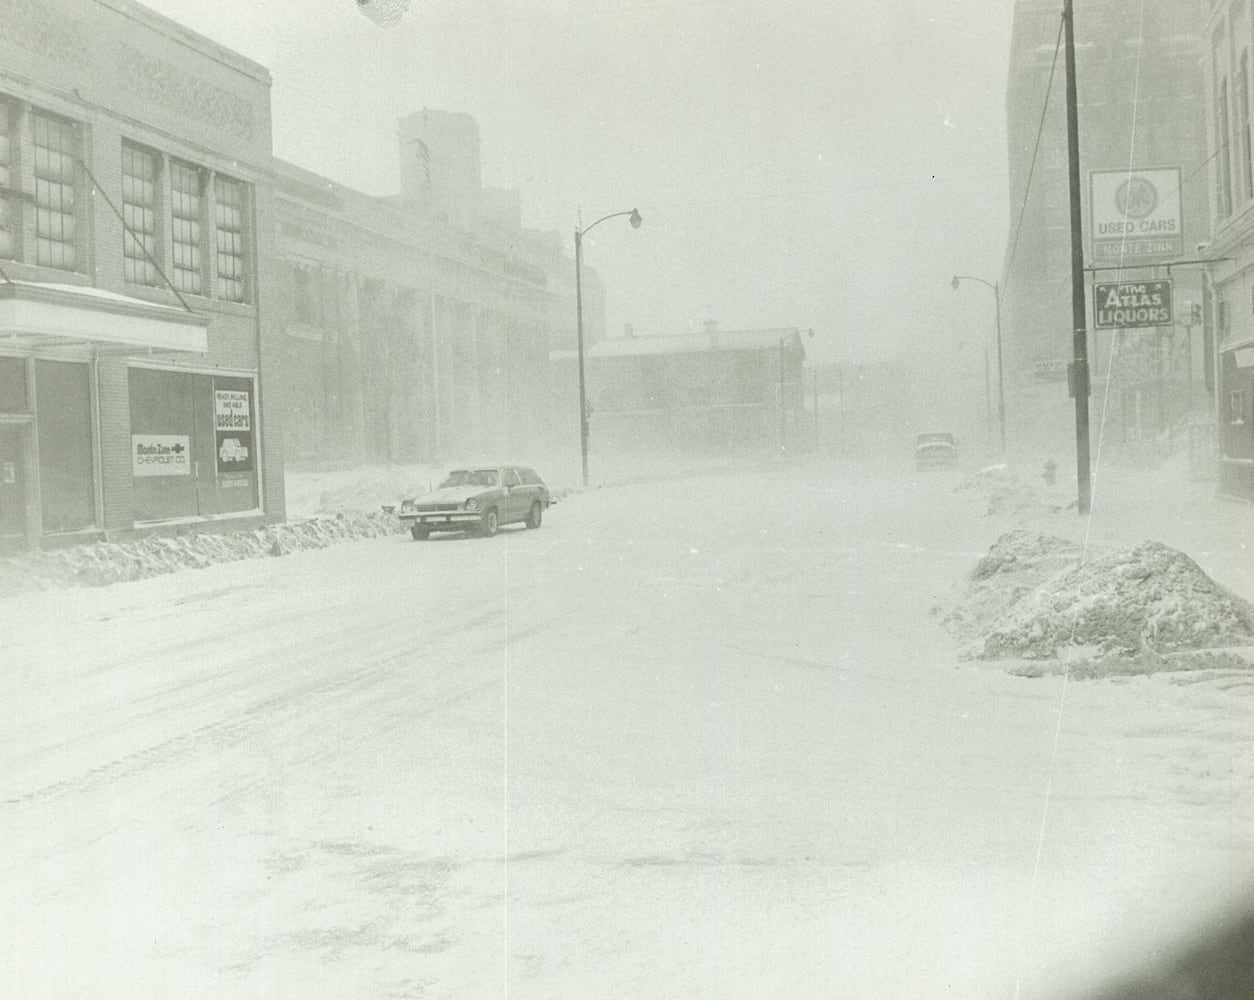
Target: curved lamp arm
x=635 y=221
x=958 y=278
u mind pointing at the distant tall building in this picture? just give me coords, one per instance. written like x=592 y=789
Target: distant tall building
x=1141 y=108
x=441 y=171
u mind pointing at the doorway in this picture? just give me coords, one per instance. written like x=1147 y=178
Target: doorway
x=12 y=489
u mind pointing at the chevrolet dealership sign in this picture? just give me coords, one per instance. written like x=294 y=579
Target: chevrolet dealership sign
x=1136 y=214
x=1123 y=305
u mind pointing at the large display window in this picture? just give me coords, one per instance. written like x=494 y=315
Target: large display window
x=193 y=444
x=67 y=484
x=13 y=398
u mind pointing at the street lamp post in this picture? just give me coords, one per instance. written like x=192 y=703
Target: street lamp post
x=783 y=424
x=1001 y=377
x=988 y=393
x=580 y=231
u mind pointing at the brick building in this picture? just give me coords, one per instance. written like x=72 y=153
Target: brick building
x=1141 y=108
x=136 y=246
x=1229 y=78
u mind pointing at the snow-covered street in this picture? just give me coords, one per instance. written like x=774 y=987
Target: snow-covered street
x=692 y=738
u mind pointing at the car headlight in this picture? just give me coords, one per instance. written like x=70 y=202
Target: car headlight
x=407 y=505
x=472 y=504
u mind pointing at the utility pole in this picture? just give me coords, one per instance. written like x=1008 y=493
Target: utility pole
x=816 y=408
x=988 y=410
x=1079 y=339
x=1001 y=372
x=583 y=392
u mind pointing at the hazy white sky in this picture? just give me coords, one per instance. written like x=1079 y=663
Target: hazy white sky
x=812 y=163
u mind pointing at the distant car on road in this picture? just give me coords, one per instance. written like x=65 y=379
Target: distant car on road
x=478 y=500
x=935 y=450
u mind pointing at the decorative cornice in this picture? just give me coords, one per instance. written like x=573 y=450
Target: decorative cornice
x=178 y=91
x=31 y=25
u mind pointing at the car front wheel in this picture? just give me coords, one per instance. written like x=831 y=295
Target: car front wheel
x=535 y=515
x=489 y=523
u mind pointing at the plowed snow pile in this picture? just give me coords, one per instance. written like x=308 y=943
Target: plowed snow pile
x=1134 y=610
x=1007 y=493
x=326 y=509
x=111 y=562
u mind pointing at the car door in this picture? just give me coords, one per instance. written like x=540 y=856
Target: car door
x=516 y=501
x=533 y=486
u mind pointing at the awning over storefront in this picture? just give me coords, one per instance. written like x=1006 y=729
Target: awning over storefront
x=1242 y=354
x=37 y=315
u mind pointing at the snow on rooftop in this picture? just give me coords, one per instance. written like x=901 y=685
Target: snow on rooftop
x=690 y=343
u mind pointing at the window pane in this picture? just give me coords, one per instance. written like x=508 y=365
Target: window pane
x=55 y=231
x=10 y=214
x=229 y=201
x=186 y=200
x=139 y=203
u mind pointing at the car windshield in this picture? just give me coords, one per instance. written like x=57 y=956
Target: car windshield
x=471 y=477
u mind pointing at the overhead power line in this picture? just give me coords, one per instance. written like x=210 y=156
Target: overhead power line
x=1040 y=131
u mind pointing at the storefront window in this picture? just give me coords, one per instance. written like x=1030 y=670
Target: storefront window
x=235 y=443
x=13 y=397
x=66 y=472
x=193 y=444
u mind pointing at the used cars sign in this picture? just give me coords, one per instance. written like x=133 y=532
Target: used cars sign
x=1125 y=304
x=1136 y=213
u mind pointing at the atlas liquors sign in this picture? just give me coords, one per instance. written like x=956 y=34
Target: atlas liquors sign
x=1122 y=305
x=1136 y=214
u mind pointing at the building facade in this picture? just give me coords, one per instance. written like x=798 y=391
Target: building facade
x=1140 y=109
x=1229 y=79
x=417 y=328
x=136 y=243
x=714 y=392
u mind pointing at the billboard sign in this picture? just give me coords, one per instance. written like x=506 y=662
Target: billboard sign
x=1122 y=305
x=1136 y=214
x=233 y=423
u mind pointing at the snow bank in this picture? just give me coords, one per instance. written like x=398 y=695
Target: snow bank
x=366 y=490
x=1008 y=493
x=363 y=490
x=1140 y=609
x=324 y=507
x=112 y=562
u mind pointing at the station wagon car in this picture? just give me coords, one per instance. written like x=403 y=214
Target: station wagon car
x=935 y=450
x=478 y=500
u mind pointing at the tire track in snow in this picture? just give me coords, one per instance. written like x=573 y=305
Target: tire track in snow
x=383 y=652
